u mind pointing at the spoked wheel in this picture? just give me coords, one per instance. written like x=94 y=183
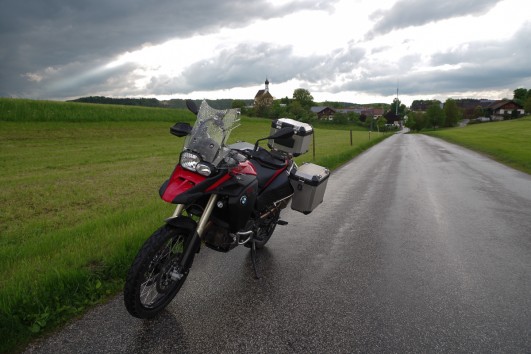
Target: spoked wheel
x=155 y=276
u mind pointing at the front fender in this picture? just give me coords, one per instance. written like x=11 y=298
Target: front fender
x=182 y=222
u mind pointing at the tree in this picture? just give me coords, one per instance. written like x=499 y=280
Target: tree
x=238 y=104
x=261 y=106
x=451 y=112
x=278 y=110
x=435 y=116
x=479 y=112
x=341 y=118
x=297 y=111
x=416 y=121
x=401 y=107
x=520 y=95
x=527 y=104
x=380 y=123
x=304 y=97
x=355 y=118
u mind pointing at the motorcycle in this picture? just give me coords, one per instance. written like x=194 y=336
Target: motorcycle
x=226 y=196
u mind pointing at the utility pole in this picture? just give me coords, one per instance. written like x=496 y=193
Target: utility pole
x=396 y=107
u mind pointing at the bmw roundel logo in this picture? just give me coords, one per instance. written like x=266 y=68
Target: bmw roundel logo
x=243 y=200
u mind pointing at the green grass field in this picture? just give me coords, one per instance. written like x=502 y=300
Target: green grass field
x=508 y=142
x=23 y=110
x=80 y=195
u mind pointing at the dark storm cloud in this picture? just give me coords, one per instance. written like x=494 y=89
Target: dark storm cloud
x=237 y=67
x=491 y=64
x=479 y=66
x=513 y=51
x=76 y=80
x=406 y=13
x=40 y=34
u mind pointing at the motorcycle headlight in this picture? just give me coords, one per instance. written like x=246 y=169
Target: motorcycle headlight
x=204 y=169
x=189 y=160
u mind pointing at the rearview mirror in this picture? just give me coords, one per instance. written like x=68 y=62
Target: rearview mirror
x=283 y=133
x=181 y=129
x=192 y=106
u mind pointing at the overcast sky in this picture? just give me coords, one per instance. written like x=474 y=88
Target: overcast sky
x=342 y=50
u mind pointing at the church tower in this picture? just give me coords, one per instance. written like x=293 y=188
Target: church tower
x=263 y=97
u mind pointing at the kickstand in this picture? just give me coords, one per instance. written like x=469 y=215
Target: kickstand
x=253 y=258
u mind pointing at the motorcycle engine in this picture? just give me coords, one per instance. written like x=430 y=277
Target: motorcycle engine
x=216 y=236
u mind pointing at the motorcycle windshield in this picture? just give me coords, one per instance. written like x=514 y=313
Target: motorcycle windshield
x=210 y=132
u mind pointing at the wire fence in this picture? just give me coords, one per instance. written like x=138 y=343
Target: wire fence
x=328 y=143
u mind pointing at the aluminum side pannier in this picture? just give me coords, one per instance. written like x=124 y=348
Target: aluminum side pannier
x=296 y=145
x=309 y=185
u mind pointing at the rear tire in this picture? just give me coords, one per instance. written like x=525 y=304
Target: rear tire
x=265 y=231
x=149 y=286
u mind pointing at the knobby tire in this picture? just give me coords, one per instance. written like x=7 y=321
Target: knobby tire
x=149 y=287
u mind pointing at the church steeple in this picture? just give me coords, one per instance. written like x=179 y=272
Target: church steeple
x=263 y=97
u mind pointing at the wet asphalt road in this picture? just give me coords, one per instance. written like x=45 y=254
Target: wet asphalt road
x=420 y=246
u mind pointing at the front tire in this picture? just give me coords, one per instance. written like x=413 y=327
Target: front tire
x=155 y=276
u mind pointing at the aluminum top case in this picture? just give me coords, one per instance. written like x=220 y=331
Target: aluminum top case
x=309 y=186
x=299 y=143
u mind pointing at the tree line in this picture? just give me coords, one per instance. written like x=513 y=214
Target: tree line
x=423 y=114
x=297 y=107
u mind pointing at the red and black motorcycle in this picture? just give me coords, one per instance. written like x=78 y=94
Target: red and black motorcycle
x=226 y=196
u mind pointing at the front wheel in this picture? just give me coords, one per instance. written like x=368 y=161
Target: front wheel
x=156 y=276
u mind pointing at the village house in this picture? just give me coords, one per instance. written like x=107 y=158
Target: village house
x=374 y=113
x=364 y=112
x=503 y=108
x=324 y=112
x=348 y=110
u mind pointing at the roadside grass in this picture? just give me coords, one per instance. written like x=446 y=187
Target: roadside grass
x=508 y=142
x=76 y=201
x=79 y=197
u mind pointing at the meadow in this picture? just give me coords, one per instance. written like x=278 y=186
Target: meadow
x=508 y=142
x=80 y=195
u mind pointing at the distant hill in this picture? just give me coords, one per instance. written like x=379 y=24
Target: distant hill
x=353 y=105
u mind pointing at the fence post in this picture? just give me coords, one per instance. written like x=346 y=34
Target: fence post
x=350 y=137
x=313 y=145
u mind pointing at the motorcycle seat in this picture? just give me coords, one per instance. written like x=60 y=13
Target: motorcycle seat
x=267 y=165
x=269 y=159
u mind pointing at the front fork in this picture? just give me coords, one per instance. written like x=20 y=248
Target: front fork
x=188 y=252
